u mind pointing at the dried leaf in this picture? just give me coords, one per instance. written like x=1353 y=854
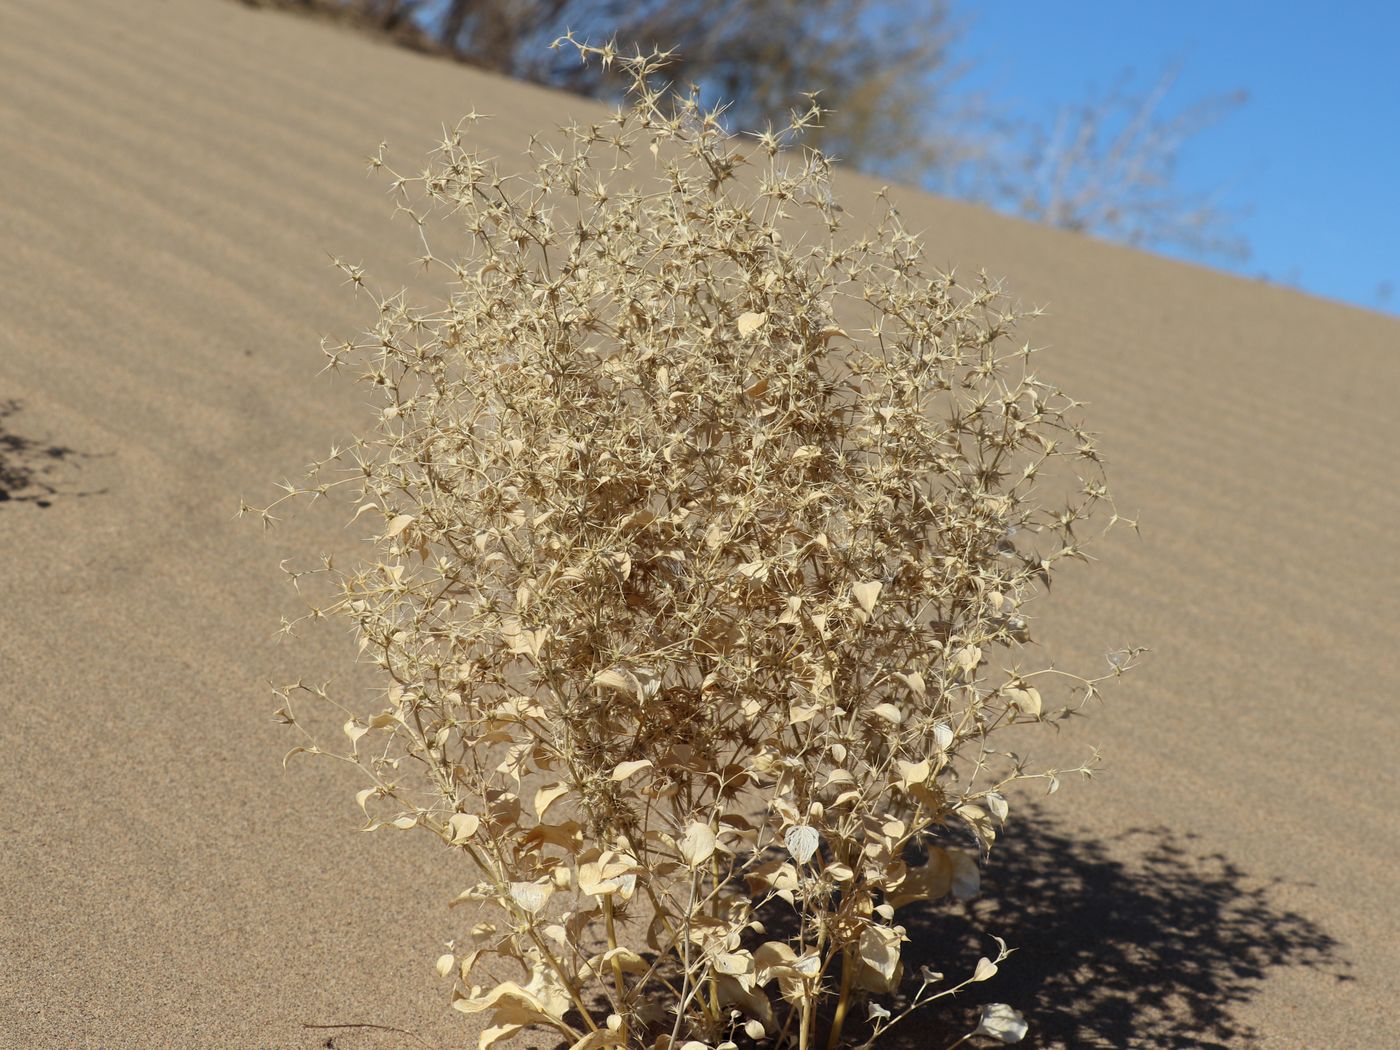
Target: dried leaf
x=867 y=593
x=1002 y=1023
x=734 y=963
x=749 y=323
x=354 y=731
x=547 y=795
x=754 y=570
x=615 y=679
x=997 y=804
x=913 y=772
x=542 y=1001
x=888 y=712
x=879 y=949
x=598 y=1039
x=930 y=881
x=494 y=1033
x=801 y=841
x=623 y=770
x=697 y=845
x=1026 y=700
x=462 y=826
x=531 y=896
x=915 y=681
x=967 y=659
x=978 y=822
x=610 y=873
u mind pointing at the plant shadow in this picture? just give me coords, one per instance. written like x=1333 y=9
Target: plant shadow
x=1142 y=940
x=28 y=467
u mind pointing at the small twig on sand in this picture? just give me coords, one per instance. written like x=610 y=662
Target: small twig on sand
x=380 y=1028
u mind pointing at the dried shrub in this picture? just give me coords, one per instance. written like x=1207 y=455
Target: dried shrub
x=707 y=529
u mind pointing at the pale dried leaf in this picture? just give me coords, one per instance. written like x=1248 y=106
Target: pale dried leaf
x=354 y=731
x=967 y=659
x=997 y=804
x=547 y=795
x=615 y=679
x=493 y=1034
x=879 y=949
x=734 y=963
x=867 y=593
x=598 y=1039
x=888 y=712
x=531 y=896
x=462 y=826
x=1002 y=1023
x=801 y=841
x=913 y=772
x=749 y=323
x=697 y=845
x=1026 y=700
x=623 y=770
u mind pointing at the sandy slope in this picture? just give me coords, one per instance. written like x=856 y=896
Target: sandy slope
x=171 y=177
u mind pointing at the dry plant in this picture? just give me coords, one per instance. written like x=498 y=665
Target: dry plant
x=708 y=536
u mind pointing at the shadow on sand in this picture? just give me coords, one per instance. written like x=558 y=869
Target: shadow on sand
x=28 y=468
x=1140 y=941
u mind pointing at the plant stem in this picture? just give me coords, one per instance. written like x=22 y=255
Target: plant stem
x=616 y=968
x=715 y=910
x=838 y=1021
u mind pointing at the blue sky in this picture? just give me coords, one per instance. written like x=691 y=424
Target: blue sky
x=1313 y=154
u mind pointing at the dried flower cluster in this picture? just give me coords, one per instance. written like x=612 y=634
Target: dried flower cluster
x=705 y=528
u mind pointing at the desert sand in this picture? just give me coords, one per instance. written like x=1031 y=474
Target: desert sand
x=172 y=178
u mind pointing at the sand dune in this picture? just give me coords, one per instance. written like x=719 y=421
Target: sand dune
x=172 y=177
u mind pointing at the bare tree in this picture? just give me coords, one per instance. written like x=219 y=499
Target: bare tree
x=881 y=67
x=886 y=70
x=1109 y=167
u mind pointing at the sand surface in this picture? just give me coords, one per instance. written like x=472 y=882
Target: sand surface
x=172 y=177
